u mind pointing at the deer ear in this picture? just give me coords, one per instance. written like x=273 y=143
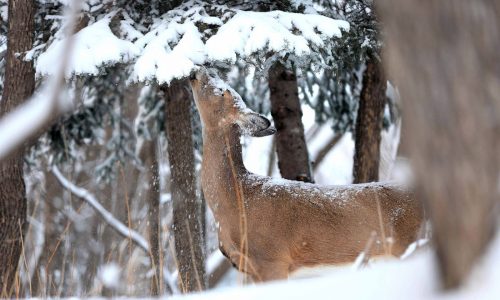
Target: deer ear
x=255 y=125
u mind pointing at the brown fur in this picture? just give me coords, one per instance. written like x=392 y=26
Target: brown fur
x=269 y=228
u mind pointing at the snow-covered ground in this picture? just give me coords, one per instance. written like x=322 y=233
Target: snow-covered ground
x=413 y=278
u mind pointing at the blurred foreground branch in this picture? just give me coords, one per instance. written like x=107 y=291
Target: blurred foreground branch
x=28 y=121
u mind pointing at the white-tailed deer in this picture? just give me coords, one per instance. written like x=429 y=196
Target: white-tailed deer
x=270 y=227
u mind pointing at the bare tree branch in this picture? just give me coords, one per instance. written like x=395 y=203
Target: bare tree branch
x=325 y=150
x=85 y=195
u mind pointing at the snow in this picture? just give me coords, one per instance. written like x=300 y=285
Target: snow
x=213 y=261
x=413 y=278
x=159 y=61
x=220 y=86
x=94 y=46
x=250 y=32
x=174 y=47
x=109 y=275
x=4 y=12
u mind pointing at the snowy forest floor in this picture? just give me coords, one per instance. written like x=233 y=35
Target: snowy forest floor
x=412 y=278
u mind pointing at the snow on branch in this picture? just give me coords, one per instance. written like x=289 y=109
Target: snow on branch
x=244 y=35
x=193 y=35
x=159 y=61
x=94 y=46
x=106 y=215
x=281 y=32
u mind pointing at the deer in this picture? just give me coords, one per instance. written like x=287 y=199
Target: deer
x=268 y=228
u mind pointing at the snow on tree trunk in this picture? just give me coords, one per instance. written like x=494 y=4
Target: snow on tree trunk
x=18 y=86
x=444 y=56
x=293 y=159
x=369 y=124
x=187 y=208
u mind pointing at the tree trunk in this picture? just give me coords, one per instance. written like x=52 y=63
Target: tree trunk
x=369 y=124
x=293 y=159
x=187 y=208
x=19 y=85
x=444 y=55
x=153 y=198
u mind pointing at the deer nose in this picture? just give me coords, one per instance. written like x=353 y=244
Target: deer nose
x=265 y=127
x=261 y=121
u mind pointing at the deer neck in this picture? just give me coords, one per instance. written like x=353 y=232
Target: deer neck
x=222 y=166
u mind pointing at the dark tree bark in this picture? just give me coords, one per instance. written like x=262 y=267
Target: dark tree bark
x=153 y=198
x=19 y=85
x=293 y=159
x=187 y=207
x=444 y=56
x=369 y=124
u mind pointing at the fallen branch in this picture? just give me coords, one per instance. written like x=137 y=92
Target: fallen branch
x=106 y=215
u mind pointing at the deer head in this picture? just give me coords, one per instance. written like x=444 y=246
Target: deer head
x=221 y=107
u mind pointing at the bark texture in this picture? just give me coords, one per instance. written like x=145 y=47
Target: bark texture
x=153 y=197
x=293 y=158
x=369 y=124
x=444 y=55
x=19 y=85
x=187 y=207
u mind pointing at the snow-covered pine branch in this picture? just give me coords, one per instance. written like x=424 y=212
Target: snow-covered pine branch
x=95 y=46
x=118 y=226
x=196 y=34
x=244 y=35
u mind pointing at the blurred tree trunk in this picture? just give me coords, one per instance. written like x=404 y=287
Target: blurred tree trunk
x=153 y=198
x=445 y=57
x=369 y=123
x=51 y=256
x=19 y=84
x=187 y=207
x=293 y=159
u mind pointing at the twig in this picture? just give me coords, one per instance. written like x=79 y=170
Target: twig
x=106 y=215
